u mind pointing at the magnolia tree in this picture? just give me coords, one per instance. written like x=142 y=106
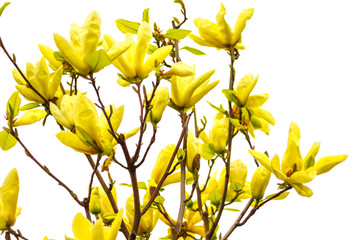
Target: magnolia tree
x=201 y=165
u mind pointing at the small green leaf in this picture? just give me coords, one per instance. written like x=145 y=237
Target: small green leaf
x=13 y=105
x=193 y=50
x=86 y=138
x=231 y=96
x=215 y=197
x=207 y=152
x=309 y=162
x=7 y=141
x=235 y=122
x=127 y=26
x=280 y=197
x=177 y=34
x=59 y=57
x=159 y=199
x=29 y=106
x=220 y=109
x=232 y=209
x=125 y=184
x=151 y=49
x=236 y=187
x=145 y=17
x=142 y=185
x=98 y=60
x=3 y=7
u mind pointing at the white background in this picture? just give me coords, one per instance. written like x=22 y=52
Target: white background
x=307 y=56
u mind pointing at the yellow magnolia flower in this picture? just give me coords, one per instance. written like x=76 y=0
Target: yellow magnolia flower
x=218 y=135
x=64 y=113
x=132 y=63
x=158 y=103
x=30 y=117
x=295 y=170
x=193 y=152
x=220 y=35
x=187 y=91
x=249 y=106
x=83 y=42
x=259 y=182
x=9 y=193
x=147 y=222
x=84 y=230
x=192 y=218
x=40 y=79
x=92 y=135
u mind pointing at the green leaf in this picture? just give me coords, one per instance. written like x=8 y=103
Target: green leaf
x=280 y=197
x=127 y=26
x=207 y=152
x=232 y=209
x=220 y=109
x=235 y=122
x=255 y=122
x=98 y=60
x=86 y=138
x=159 y=199
x=3 y=7
x=193 y=50
x=177 y=34
x=125 y=184
x=29 y=106
x=231 y=96
x=12 y=106
x=142 y=185
x=151 y=49
x=145 y=17
x=59 y=57
x=236 y=187
x=7 y=141
x=215 y=197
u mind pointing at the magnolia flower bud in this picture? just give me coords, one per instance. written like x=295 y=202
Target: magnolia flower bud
x=238 y=174
x=193 y=151
x=94 y=204
x=259 y=182
x=158 y=103
x=219 y=134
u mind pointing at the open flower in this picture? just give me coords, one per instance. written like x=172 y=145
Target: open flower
x=220 y=35
x=83 y=229
x=83 y=42
x=187 y=91
x=9 y=192
x=252 y=115
x=40 y=79
x=92 y=131
x=295 y=170
x=132 y=63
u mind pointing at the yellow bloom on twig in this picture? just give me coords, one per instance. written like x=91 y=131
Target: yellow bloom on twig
x=220 y=35
x=9 y=193
x=295 y=170
x=83 y=42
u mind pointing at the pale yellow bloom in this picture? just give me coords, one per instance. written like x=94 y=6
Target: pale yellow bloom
x=158 y=103
x=132 y=63
x=295 y=170
x=40 y=79
x=9 y=193
x=220 y=35
x=83 y=42
x=83 y=229
x=259 y=182
x=187 y=91
x=92 y=134
x=252 y=115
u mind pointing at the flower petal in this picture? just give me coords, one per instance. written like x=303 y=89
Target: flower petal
x=302 y=190
x=325 y=164
x=302 y=177
x=224 y=27
x=156 y=58
x=72 y=140
x=240 y=24
x=81 y=227
x=262 y=158
x=143 y=39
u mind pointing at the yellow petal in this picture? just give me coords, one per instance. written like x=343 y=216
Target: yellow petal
x=302 y=190
x=261 y=113
x=325 y=164
x=209 y=31
x=259 y=182
x=180 y=69
x=48 y=53
x=302 y=177
x=240 y=24
x=41 y=78
x=155 y=58
x=256 y=100
x=81 y=227
x=262 y=158
x=143 y=39
x=292 y=157
x=201 y=41
x=275 y=166
x=161 y=163
x=224 y=28
x=91 y=33
x=29 y=94
x=115 y=225
x=195 y=85
x=71 y=140
x=117 y=49
x=245 y=86
x=55 y=83
x=294 y=128
x=18 y=78
x=30 y=117
x=97 y=232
